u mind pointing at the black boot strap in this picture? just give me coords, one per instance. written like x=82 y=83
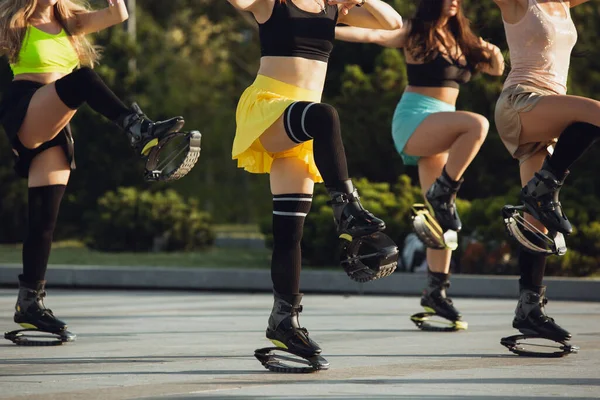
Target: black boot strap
x=452 y=186
x=550 y=206
x=343 y=198
x=290 y=308
x=133 y=119
x=552 y=183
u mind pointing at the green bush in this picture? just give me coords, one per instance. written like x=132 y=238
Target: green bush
x=485 y=247
x=583 y=254
x=134 y=220
x=489 y=243
x=13 y=197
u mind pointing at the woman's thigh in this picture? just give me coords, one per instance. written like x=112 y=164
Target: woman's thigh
x=275 y=138
x=46 y=116
x=552 y=114
x=290 y=175
x=50 y=167
x=439 y=131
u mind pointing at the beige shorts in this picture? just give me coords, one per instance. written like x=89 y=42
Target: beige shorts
x=512 y=101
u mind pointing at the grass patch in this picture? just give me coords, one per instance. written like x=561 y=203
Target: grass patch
x=75 y=253
x=238 y=231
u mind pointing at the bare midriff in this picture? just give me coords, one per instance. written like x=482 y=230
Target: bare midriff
x=44 y=78
x=300 y=72
x=445 y=94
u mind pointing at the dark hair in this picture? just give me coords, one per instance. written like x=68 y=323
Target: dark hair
x=423 y=38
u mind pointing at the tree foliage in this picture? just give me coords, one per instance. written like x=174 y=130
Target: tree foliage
x=195 y=57
x=132 y=220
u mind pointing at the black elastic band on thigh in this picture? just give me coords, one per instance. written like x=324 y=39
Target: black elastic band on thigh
x=292 y=205
x=294 y=121
x=85 y=85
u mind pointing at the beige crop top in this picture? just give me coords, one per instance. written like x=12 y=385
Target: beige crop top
x=540 y=49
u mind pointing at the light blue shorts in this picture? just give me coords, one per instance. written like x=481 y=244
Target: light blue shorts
x=412 y=109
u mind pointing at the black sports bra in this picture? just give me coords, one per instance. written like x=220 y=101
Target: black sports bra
x=293 y=32
x=439 y=72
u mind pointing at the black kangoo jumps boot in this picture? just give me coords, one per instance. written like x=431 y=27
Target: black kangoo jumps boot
x=143 y=133
x=442 y=197
x=30 y=311
x=434 y=299
x=531 y=318
x=350 y=217
x=540 y=197
x=284 y=329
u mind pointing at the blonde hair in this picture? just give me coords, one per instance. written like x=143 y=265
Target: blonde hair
x=14 y=19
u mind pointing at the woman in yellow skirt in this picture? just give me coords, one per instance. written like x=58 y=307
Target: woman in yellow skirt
x=283 y=129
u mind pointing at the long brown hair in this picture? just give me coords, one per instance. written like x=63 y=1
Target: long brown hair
x=14 y=19
x=424 y=38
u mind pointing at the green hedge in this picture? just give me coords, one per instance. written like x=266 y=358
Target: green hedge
x=390 y=203
x=134 y=220
x=485 y=247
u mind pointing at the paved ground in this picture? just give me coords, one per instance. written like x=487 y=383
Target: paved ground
x=161 y=345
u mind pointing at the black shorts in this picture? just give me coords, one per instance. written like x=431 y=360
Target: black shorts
x=13 y=109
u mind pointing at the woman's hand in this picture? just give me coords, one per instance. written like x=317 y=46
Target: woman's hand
x=496 y=66
x=346 y=5
x=373 y=14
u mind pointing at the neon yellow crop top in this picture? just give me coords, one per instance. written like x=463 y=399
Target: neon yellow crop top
x=42 y=52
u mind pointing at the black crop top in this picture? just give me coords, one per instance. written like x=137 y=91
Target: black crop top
x=439 y=72
x=293 y=32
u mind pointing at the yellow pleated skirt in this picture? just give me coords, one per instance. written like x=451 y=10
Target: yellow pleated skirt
x=261 y=104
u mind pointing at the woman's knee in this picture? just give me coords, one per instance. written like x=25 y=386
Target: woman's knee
x=72 y=89
x=304 y=121
x=588 y=111
x=478 y=126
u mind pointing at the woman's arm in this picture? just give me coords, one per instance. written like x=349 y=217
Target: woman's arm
x=394 y=39
x=574 y=3
x=95 y=21
x=245 y=5
x=496 y=67
x=374 y=14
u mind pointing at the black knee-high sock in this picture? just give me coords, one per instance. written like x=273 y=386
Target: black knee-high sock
x=573 y=142
x=305 y=121
x=86 y=86
x=44 y=202
x=289 y=212
x=532 y=265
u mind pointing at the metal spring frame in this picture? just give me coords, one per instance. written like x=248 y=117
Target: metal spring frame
x=386 y=253
x=155 y=165
x=516 y=345
x=277 y=362
x=429 y=230
x=515 y=224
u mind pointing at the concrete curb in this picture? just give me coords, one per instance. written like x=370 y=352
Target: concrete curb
x=240 y=279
